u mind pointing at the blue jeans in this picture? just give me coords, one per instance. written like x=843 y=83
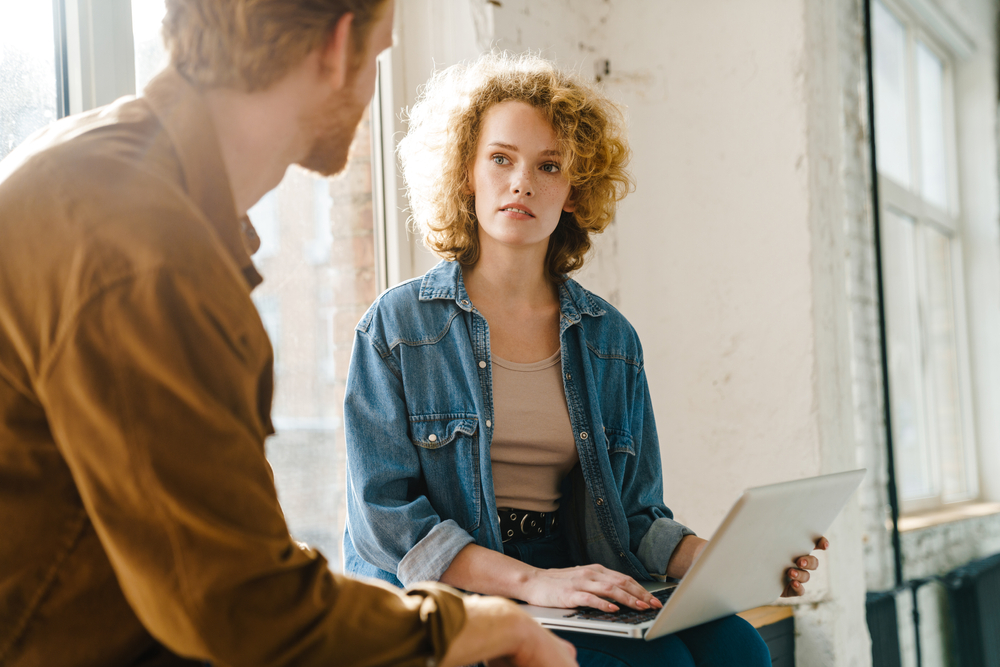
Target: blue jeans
x=727 y=642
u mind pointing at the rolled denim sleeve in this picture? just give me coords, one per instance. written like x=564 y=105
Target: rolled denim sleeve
x=391 y=523
x=431 y=556
x=658 y=544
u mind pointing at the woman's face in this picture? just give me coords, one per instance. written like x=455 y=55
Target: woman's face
x=517 y=179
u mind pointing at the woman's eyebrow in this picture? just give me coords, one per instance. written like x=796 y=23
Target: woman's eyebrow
x=512 y=147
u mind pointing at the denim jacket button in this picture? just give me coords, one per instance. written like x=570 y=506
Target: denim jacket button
x=488 y=423
x=482 y=364
x=432 y=437
x=568 y=376
x=583 y=436
x=600 y=501
x=621 y=554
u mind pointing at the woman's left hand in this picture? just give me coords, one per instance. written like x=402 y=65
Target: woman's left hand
x=797 y=576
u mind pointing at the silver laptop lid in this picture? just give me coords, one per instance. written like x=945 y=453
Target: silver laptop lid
x=744 y=564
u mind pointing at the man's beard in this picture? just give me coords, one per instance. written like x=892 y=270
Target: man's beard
x=334 y=126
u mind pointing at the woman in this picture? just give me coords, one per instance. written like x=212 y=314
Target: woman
x=499 y=428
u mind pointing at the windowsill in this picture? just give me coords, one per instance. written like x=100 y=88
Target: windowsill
x=949 y=514
x=763 y=616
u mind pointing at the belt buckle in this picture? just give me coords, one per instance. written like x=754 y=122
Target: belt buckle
x=504 y=538
x=539 y=529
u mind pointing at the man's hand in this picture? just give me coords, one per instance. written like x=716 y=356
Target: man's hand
x=799 y=575
x=502 y=635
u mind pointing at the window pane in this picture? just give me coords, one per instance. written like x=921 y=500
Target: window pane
x=942 y=359
x=27 y=70
x=905 y=368
x=930 y=92
x=264 y=216
x=317 y=257
x=150 y=56
x=892 y=143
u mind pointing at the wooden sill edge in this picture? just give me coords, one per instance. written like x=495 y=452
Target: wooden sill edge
x=758 y=617
x=939 y=516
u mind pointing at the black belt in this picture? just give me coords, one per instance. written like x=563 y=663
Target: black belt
x=524 y=525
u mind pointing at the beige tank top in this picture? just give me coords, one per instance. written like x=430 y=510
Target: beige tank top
x=533 y=446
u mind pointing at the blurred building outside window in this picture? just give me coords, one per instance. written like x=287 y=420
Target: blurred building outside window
x=28 y=93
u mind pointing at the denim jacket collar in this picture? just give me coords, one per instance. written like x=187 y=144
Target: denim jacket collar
x=445 y=281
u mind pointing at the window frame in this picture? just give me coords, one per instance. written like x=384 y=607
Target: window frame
x=923 y=26
x=99 y=54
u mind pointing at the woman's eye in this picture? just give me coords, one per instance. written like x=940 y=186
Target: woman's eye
x=499 y=159
x=550 y=167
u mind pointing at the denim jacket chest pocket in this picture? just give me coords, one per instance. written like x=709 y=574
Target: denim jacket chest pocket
x=447 y=443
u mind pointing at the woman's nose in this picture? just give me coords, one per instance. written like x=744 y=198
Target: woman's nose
x=522 y=184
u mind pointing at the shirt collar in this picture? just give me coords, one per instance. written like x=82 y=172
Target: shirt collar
x=445 y=281
x=187 y=122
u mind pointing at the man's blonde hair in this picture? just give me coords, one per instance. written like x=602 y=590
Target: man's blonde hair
x=250 y=44
x=443 y=135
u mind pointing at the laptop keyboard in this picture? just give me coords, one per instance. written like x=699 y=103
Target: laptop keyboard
x=625 y=614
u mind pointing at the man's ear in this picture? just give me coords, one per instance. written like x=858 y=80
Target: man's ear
x=335 y=54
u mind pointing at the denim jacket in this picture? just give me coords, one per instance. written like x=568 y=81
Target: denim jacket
x=418 y=420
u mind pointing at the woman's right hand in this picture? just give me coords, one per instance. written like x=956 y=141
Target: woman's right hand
x=586 y=586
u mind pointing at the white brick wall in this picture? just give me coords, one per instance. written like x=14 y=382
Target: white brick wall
x=862 y=289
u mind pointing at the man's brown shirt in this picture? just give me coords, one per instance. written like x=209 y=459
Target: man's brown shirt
x=138 y=515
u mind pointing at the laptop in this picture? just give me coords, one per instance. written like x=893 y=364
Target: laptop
x=742 y=567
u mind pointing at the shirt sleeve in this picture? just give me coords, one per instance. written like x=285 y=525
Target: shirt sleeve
x=392 y=525
x=153 y=393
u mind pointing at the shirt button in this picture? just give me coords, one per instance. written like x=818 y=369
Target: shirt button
x=432 y=437
x=621 y=554
x=568 y=376
x=600 y=501
x=482 y=364
x=583 y=436
x=488 y=423
x=465 y=302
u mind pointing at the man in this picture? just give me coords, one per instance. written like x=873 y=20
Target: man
x=138 y=519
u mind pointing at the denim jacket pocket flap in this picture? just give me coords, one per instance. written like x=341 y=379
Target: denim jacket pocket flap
x=435 y=431
x=619 y=441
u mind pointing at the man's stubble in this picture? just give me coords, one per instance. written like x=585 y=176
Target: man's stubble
x=333 y=127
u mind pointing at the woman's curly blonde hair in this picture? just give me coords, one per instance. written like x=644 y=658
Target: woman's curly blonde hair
x=443 y=135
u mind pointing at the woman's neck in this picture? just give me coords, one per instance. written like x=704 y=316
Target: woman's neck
x=510 y=278
x=510 y=288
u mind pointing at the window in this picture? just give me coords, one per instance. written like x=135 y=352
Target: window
x=150 y=56
x=28 y=82
x=930 y=402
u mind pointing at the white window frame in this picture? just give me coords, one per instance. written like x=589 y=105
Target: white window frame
x=924 y=23
x=427 y=35
x=100 y=55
